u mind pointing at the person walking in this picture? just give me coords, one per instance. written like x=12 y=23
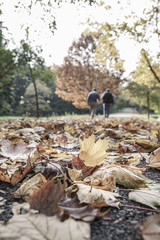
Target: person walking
x=92 y=99
x=108 y=100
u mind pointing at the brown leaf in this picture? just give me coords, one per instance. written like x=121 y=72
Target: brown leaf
x=110 y=133
x=151 y=228
x=158 y=135
x=154 y=159
x=15 y=172
x=126 y=148
x=45 y=200
x=52 y=170
x=130 y=126
x=62 y=141
x=78 y=210
x=101 y=179
x=74 y=174
x=129 y=177
x=32 y=185
x=79 y=165
x=146 y=144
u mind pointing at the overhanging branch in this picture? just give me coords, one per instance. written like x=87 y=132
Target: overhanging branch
x=151 y=68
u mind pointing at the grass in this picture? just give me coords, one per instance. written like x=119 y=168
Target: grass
x=142 y=116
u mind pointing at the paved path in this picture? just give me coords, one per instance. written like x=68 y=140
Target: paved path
x=126 y=112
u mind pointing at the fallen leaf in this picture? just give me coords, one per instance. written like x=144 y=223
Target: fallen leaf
x=46 y=199
x=78 y=210
x=147 y=197
x=151 y=228
x=17 y=151
x=62 y=141
x=101 y=179
x=96 y=197
x=14 y=172
x=146 y=144
x=154 y=159
x=32 y=185
x=41 y=227
x=61 y=155
x=53 y=169
x=154 y=186
x=74 y=174
x=126 y=148
x=127 y=176
x=93 y=152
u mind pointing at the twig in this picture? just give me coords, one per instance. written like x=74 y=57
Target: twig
x=152 y=176
x=136 y=147
x=141 y=208
x=91 y=186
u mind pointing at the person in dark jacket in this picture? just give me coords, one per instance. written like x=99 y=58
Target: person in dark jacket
x=108 y=100
x=92 y=99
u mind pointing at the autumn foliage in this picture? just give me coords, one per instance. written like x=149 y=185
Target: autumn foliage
x=81 y=72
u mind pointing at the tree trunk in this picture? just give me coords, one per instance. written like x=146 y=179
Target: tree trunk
x=148 y=104
x=36 y=93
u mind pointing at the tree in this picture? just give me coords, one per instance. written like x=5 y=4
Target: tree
x=44 y=94
x=140 y=25
x=143 y=96
x=144 y=29
x=143 y=74
x=81 y=72
x=46 y=9
x=30 y=61
x=20 y=83
x=145 y=82
x=8 y=63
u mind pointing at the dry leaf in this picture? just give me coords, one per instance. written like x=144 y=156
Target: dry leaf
x=17 y=151
x=101 y=179
x=78 y=210
x=146 y=144
x=61 y=155
x=154 y=159
x=126 y=148
x=46 y=199
x=15 y=163
x=91 y=152
x=74 y=174
x=151 y=228
x=14 y=172
x=127 y=176
x=32 y=185
x=79 y=165
x=52 y=170
x=147 y=197
x=154 y=186
x=41 y=227
x=96 y=197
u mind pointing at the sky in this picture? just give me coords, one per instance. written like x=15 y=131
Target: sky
x=71 y=21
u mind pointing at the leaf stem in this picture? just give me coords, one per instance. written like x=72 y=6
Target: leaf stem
x=141 y=208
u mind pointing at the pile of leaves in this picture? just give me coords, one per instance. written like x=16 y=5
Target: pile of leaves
x=68 y=171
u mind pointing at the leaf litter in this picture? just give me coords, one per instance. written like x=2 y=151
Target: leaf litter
x=72 y=172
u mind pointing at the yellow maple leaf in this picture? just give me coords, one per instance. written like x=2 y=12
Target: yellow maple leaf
x=91 y=152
